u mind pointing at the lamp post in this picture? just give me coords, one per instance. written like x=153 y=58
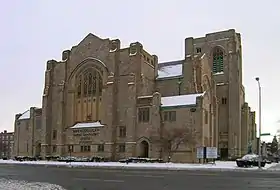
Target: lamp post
x=260 y=120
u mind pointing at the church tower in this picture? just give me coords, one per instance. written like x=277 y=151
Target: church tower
x=224 y=53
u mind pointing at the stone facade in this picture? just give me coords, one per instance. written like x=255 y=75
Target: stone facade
x=28 y=133
x=101 y=100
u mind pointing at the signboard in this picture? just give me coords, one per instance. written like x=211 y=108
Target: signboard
x=211 y=152
x=86 y=132
x=200 y=152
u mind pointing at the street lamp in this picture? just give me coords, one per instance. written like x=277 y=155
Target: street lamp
x=260 y=120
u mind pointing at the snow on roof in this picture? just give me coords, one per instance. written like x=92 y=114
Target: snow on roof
x=25 y=115
x=87 y=125
x=170 y=69
x=219 y=73
x=181 y=100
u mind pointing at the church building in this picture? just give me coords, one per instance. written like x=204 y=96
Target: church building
x=103 y=100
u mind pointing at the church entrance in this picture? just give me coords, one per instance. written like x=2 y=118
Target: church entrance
x=224 y=153
x=144 y=147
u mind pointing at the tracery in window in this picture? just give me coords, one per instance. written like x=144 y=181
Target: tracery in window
x=94 y=83
x=100 y=85
x=85 y=84
x=90 y=84
x=79 y=90
x=89 y=93
x=218 y=60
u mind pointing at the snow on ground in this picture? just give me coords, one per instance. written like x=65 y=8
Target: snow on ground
x=6 y=184
x=219 y=165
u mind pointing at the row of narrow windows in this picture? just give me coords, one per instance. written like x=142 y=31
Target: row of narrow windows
x=87 y=148
x=144 y=115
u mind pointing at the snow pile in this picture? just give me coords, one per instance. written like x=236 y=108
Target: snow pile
x=7 y=184
x=219 y=165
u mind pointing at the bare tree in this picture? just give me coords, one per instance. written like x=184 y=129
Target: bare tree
x=171 y=139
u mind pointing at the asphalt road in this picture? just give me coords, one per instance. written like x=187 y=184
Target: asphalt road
x=105 y=179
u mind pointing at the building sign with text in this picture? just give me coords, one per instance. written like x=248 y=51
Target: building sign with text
x=86 y=136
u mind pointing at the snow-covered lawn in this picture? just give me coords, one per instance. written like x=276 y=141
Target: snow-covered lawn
x=219 y=165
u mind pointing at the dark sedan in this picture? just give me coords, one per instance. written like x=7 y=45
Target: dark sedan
x=249 y=160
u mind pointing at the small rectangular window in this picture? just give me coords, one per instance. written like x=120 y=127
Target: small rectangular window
x=100 y=148
x=122 y=148
x=85 y=148
x=169 y=116
x=54 y=149
x=54 y=134
x=122 y=131
x=224 y=100
x=206 y=117
x=198 y=50
x=144 y=115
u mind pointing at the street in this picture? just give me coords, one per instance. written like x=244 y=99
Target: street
x=118 y=179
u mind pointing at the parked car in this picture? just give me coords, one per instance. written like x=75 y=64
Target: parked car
x=250 y=160
x=141 y=160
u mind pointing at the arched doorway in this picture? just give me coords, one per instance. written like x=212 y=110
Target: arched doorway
x=144 y=149
x=38 y=149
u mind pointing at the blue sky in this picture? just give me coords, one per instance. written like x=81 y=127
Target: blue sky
x=33 y=32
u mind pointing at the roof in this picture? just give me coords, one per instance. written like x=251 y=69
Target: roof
x=181 y=100
x=25 y=115
x=87 y=125
x=170 y=69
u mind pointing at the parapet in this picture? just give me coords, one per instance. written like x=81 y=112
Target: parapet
x=135 y=48
x=66 y=55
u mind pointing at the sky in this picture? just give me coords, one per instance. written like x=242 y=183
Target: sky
x=33 y=32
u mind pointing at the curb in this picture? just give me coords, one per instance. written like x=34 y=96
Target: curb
x=127 y=167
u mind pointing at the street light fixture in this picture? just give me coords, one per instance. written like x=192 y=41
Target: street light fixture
x=260 y=120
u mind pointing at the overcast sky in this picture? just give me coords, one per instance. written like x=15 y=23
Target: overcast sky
x=33 y=32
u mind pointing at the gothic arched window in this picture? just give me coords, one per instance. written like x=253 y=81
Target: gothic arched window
x=218 y=60
x=89 y=91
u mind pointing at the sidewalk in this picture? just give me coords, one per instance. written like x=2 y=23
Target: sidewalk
x=274 y=167
x=219 y=165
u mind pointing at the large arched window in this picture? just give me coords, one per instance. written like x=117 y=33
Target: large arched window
x=88 y=98
x=218 y=60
